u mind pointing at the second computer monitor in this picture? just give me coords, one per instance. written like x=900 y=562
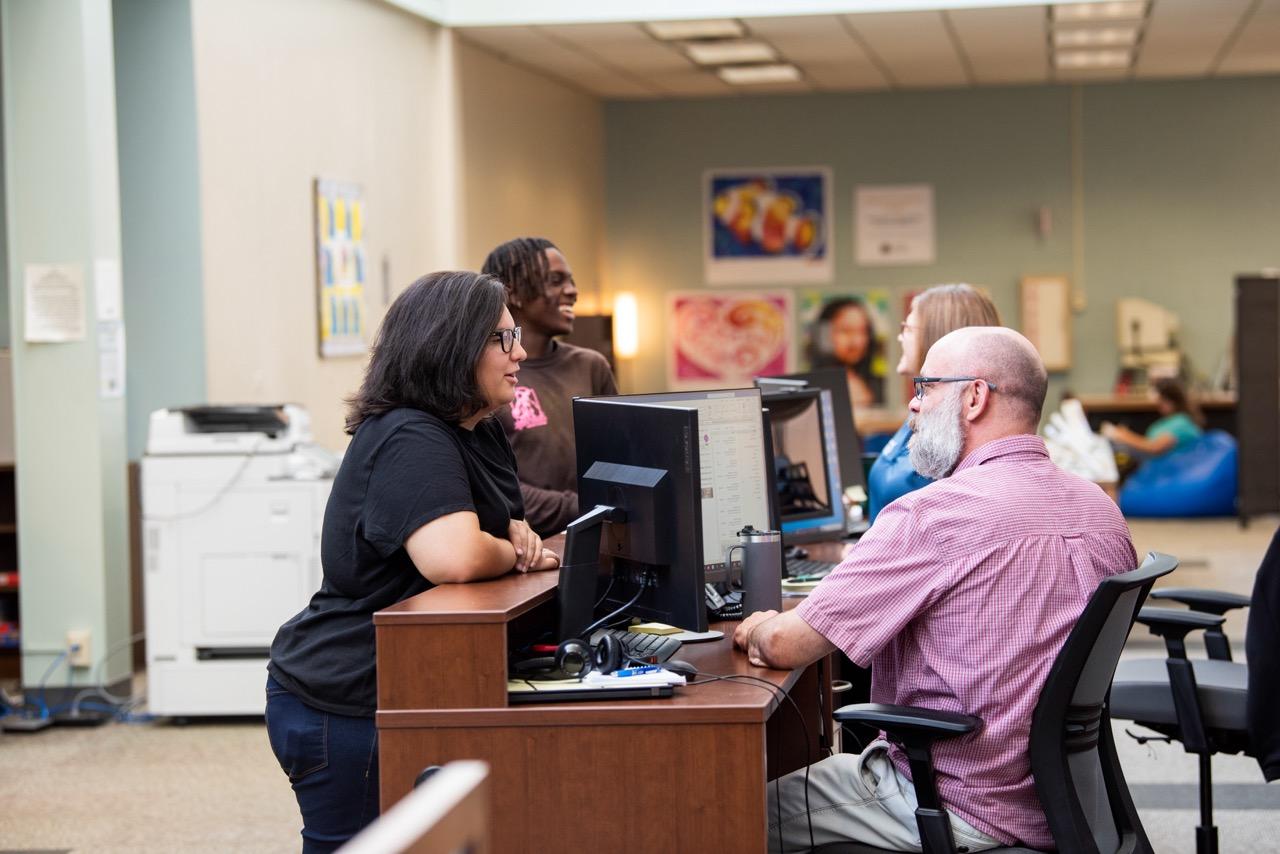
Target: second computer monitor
x=807 y=473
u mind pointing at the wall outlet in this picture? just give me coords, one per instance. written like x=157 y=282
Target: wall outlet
x=78 y=654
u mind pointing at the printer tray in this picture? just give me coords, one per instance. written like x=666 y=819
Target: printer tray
x=566 y=695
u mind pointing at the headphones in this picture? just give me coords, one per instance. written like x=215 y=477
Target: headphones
x=574 y=659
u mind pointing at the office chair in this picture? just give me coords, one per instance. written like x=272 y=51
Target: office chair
x=1073 y=758
x=1211 y=705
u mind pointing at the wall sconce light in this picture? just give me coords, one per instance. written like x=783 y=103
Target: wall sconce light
x=626 y=325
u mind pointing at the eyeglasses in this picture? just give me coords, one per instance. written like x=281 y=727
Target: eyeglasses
x=920 y=383
x=507 y=338
x=904 y=326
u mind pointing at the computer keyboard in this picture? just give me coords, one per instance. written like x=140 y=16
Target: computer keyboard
x=652 y=649
x=808 y=568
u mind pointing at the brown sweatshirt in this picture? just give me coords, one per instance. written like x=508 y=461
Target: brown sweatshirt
x=539 y=425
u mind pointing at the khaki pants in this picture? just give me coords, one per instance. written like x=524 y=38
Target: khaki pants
x=859 y=797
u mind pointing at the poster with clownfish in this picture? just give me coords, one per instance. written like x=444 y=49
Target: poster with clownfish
x=767 y=226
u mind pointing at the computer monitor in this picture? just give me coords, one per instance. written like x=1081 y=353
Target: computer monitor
x=639 y=481
x=734 y=467
x=667 y=482
x=807 y=479
x=848 y=443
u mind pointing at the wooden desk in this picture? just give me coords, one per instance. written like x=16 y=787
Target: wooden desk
x=1138 y=411
x=681 y=774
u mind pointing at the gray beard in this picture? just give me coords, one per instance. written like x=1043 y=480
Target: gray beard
x=938 y=437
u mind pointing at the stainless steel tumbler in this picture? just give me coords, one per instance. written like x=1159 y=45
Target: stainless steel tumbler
x=761 y=570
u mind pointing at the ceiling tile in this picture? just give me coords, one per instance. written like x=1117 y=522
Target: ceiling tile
x=914 y=46
x=1182 y=38
x=844 y=76
x=624 y=46
x=694 y=83
x=1005 y=45
x=1257 y=50
x=808 y=39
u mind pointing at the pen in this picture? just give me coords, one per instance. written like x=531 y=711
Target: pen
x=636 y=671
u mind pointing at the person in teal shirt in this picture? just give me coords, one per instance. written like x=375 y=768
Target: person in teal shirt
x=1178 y=425
x=934 y=313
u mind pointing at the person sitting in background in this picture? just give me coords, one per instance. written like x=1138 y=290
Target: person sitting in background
x=1003 y=538
x=934 y=313
x=426 y=494
x=541 y=294
x=1179 y=423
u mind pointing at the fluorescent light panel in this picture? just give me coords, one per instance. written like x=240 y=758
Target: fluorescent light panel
x=1118 y=10
x=1089 y=37
x=730 y=53
x=670 y=31
x=747 y=75
x=1081 y=59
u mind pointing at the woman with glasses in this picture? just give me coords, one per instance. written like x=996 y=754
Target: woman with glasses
x=426 y=494
x=541 y=294
x=934 y=313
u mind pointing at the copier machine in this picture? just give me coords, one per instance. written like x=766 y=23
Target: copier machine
x=232 y=502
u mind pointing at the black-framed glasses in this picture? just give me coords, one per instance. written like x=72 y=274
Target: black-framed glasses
x=507 y=338
x=921 y=383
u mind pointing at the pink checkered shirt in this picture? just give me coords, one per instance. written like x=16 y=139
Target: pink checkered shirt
x=960 y=597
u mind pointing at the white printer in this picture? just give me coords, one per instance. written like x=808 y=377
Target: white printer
x=232 y=502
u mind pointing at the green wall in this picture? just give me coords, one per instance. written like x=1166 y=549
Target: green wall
x=1177 y=193
x=159 y=209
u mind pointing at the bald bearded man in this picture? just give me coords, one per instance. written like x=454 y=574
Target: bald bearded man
x=958 y=599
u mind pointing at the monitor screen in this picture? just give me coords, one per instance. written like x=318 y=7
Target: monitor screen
x=734 y=467
x=848 y=443
x=808 y=484
x=641 y=461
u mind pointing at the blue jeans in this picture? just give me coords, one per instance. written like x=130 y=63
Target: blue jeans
x=332 y=763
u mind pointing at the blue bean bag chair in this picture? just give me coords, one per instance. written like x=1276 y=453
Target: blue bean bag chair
x=1198 y=479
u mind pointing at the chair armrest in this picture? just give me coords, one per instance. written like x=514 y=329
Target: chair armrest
x=1208 y=601
x=930 y=724
x=914 y=730
x=1174 y=624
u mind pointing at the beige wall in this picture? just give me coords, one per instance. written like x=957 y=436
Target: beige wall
x=455 y=149
x=532 y=156
x=286 y=92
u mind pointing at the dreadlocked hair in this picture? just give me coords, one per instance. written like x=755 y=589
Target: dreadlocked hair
x=521 y=265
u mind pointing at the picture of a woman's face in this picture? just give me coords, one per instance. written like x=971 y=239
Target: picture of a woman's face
x=850 y=335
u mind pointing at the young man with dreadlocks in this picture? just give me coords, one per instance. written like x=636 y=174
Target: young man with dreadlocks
x=541 y=294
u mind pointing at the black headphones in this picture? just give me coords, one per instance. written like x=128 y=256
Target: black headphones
x=574 y=659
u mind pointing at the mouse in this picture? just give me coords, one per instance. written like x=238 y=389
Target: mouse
x=684 y=668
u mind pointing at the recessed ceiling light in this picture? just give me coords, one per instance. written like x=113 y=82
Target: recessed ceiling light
x=1105 y=37
x=1123 y=10
x=747 y=75
x=724 y=28
x=730 y=53
x=1092 y=59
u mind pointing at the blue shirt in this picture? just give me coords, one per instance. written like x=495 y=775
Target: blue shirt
x=892 y=476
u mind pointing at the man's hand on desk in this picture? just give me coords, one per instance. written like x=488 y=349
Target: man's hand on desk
x=742 y=636
x=781 y=641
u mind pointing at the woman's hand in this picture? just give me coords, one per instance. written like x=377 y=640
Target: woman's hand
x=549 y=560
x=528 y=545
x=1109 y=430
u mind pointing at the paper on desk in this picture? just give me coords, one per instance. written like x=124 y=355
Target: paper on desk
x=640 y=680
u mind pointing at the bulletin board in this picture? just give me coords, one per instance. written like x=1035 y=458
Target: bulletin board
x=1045 y=303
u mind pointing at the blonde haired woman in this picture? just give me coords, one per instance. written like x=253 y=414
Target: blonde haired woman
x=934 y=313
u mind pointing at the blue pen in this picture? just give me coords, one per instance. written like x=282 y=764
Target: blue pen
x=636 y=671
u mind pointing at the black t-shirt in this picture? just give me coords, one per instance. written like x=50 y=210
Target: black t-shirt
x=402 y=470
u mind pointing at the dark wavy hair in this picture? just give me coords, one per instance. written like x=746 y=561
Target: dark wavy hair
x=821 y=353
x=427 y=348
x=521 y=265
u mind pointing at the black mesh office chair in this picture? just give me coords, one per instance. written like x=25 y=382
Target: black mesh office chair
x=1073 y=758
x=1212 y=705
